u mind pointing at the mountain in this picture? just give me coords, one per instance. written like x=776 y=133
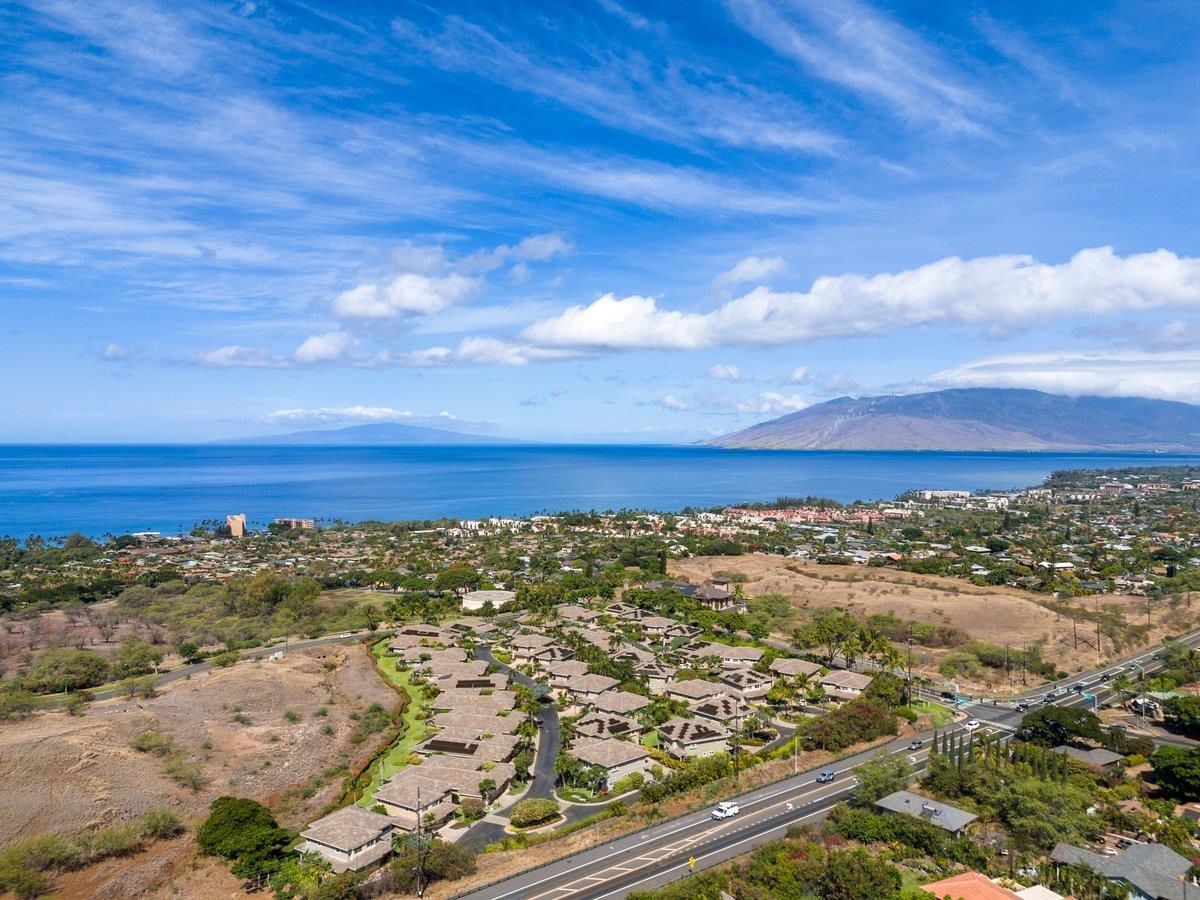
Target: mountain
x=979 y=419
x=375 y=435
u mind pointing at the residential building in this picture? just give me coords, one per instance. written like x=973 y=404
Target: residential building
x=350 y=838
x=695 y=689
x=588 y=687
x=842 y=684
x=685 y=738
x=622 y=702
x=475 y=600
x=606 y=725
x=969 y=886
x=748 y=684
x=795 y=668
x=943 y=815
x=1148 y=871
x=236 y=524
x=617 y=758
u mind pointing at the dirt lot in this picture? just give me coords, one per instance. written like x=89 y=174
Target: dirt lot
x=998 y=615
x=63 y=774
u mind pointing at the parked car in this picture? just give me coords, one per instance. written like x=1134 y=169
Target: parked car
x=972 y=724
x=827 y=776
x=916 y=744
x=725 y=809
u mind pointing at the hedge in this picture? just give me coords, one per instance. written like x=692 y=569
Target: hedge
x=534 y=811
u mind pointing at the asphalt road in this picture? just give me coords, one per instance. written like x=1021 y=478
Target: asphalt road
x=660 y=854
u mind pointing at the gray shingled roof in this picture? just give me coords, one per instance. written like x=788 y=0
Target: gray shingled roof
x=1095 y=757
x=348 y=828
x=1153 y=869
x=943 y=815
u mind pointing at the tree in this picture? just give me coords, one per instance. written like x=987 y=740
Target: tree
x=828 y=630
x=533 y=811
x=1050 y=726
x=243 y=831
x=883 y=775
x=486 y=788
x=136 y=657
x=859 y=875
x=1186 y=710
x=66 y=670
x=190 y=652
x=1177 y=771
x=457 y=578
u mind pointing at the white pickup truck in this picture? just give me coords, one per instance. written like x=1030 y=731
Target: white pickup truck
x=725 y=809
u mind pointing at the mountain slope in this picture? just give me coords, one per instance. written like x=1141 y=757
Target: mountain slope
x=377 y=435
x=979 y=419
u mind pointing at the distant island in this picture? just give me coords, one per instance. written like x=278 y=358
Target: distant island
x=979 y=419
x=381 y=434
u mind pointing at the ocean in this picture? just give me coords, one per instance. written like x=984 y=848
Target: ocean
x=53 y=490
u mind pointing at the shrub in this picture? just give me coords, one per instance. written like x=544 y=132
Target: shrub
x=65 y=670
x=225 y=658
x=153 y=742
x=15 y=702
x=243 y=831
x=159 y=823
x=291 y=717
x=186 y=774
x=534 y=811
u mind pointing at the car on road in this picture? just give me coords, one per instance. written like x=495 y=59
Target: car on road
x=1051 y=696
x=827 y=776
x=725 y=809
x=1104 y=676
x=972 y=724
x=345 y=634
x=949 y=695
x=916 y=744
x=1022 y=707
x=1078 y=687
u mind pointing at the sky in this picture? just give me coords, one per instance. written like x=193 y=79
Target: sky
x=596 y=221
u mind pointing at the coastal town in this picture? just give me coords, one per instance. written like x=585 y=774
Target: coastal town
x=568 y=678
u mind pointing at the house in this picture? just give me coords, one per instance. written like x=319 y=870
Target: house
x=730 y=657
x=572 y=612
x=717 y=596
x=480 y=724
x=795 y=668
x=526 y=646
x=623 y=702
x=350 y=838
x=552 y=654
x=842 y=684
x=602 y=724
x=587 y=688
x=722 y=709
x=411 y=795
x=686 y=738
x=694 y=689
x=1148 y=871
x=475 y=600
x=616 y=758
x=657 y=625
x=657 y=675
x=1095 y=759
x=943 y=815
x=969 y=886
x=562 y=673
x=748 y=684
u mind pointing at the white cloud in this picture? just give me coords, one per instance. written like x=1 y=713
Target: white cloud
x=333 y=347
x=114 y=352
x=751 y=269
x=1167 y=376
x=622 y=324
x=237 y=356
x=762 y=403
x=800 y=375
x=328 y=415
x=408 y=294
x=724 y=372
x=1001 y=294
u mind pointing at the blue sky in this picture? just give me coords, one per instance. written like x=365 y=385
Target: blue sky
x=600 y=221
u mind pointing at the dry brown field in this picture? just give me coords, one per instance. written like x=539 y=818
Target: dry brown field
x=997 y=615
x=65 y=774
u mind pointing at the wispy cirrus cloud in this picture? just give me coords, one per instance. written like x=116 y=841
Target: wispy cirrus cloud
x=361 y=415
x=861 y=49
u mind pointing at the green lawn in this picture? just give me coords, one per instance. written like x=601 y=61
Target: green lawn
x=941 y=715
x=650 y=739
x=414 y=727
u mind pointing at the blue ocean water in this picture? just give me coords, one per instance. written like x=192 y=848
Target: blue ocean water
x=55 y=489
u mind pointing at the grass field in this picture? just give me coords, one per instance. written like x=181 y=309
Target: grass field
x=939 y=714
x=414 y=726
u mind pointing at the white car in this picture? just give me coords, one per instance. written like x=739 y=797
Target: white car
x=972 y=724
x=725 y=810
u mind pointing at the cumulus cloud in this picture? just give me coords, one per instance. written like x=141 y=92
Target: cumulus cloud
x=332 y=347
x=1167 y=376
x=750 y=270
x=724 y=372
x=408 y=294
x=1000 y=294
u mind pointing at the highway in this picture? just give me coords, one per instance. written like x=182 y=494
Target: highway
x=659 y=854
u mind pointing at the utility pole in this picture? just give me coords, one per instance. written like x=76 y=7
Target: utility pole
x=420 y=850
x=737 y=744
